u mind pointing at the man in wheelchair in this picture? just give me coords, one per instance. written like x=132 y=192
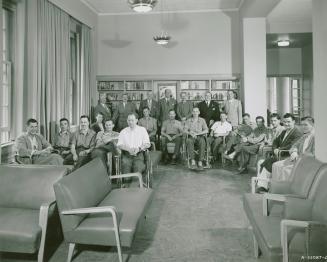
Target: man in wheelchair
x=196 y=130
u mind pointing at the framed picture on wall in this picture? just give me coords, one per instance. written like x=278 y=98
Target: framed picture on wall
x=164 y=86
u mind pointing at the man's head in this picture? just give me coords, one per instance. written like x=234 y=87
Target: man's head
x=223 y=117
x=125 y=98
x=131 y=120
x=183 y=96
x=32 y=126
x=208 y=97
x=146 y=111
x=167 y=93
x=260 y=121
x=64 y=124
x=289 y=121
x=84 y=122
x=172 y=114
x=99 y=117
x=103 y=98
x=195 y=112
x=275 y=120
x=232 y=94
x=109 y=125
x=246 y=119
x=307 y=124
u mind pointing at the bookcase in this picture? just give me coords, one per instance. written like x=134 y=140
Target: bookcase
x=195 y=90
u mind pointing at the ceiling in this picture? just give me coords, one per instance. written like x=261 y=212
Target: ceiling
x=297 y=40
x=103 y=7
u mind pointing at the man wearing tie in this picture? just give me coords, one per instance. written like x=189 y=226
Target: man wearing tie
x=123 y=109
x=209 y=110
x=151 y=104
x=184 y=108
x=103 y=108
x=167 y=104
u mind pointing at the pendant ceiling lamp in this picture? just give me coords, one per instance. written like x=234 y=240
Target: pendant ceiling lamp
x=163 y=38
x=142 y=6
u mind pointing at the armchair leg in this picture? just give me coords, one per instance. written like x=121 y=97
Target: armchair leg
x=43 y=222
x=71 y=251
x=256 y=247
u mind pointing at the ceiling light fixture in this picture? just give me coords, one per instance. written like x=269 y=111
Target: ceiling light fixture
x=283 y=43
x=163 y=39
x=142 y=6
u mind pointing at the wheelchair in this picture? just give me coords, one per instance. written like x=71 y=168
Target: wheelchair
x=208 y=155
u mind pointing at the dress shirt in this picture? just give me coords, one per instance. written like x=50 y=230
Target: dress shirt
x=84 y=139
x=105 y=106
x=133 y=138
x=172 y=127
x=62 y=139
x=306 y=142
x=149 y=123
x=104 y=137
x=33 y=142
x=196 y=125
x=219 y=128
x=149 y=103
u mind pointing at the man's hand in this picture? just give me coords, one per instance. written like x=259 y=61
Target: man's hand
x=83 y=153
x=193 y=134
x=276 y=151
x=169 y=138
x=211 y=122
x=134 y=151
x=65 y=152
x=294 y=156
x=244 y=139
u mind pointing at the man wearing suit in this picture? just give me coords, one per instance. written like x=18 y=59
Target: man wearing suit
x=283 y=142
x=123 y=109
x=98 y=125
x=209 y=110
x=103 y=108
x=166 y=104
x=151 y=104
x=184 y=108
x=281 y=170
x=33 y=148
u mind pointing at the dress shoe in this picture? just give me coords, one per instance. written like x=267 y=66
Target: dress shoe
x=261 y=190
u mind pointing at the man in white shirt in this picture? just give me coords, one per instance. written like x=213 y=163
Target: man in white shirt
x=132 y=141
x=219 y=130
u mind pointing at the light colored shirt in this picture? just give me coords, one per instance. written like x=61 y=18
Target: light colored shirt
x=133 y=138
x=150 y=124
x=220 y=128
x=172 y=127
x=62 y=139
x=33 y=142
x=306 y=142
x=104 y=137
x=196 y=125
x=84 y=139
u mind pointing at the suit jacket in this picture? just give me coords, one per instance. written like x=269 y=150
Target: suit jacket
x=105 y=111
x=298 y=145
x=165 y=107
x=209 y=113
x=154 y=110
x=120 y=115
x=285 y=144
x=24 y=145
x=233 y=109
x=184 y=110
x=96 y=128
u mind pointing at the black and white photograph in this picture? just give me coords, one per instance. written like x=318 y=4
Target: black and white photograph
x=163 y=130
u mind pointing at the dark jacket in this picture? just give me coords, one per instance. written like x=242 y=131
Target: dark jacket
x=209 y=113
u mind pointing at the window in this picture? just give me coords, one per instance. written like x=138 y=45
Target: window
x=7 y=54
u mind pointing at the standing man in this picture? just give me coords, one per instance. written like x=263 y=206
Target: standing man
x=63 y=138
x=196 y=128
x=98 y=125
x=151 y=104
x=123 y=109
x=149 y=123
x=166 y=104
x=184 y=108
x=33 y=148
x=171 y=131
x=132 y=141
x=83 y=142
x=209 y=110
x=103 y=108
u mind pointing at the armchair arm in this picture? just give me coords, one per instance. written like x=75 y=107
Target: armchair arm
x=285 y=224
x=138 y=175
x=279 y=187
x=274 y=197
x=254 y=182
x=298 y=209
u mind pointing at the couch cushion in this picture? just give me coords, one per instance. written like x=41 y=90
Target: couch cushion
x=85 y=187
x=130 y=203
x=19 y=230
x=28 y=187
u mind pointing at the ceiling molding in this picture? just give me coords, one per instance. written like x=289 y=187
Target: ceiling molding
x=90 y=6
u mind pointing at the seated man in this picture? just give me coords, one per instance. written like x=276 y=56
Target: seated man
x=62 y=140
x=105 y=142
x=282 y=143
x=98 y=125
x=281 y=170
x=219 y=130
x=171 y=131
x=196 y=129
x=82 y=144
x=149 y=123
x=132 y=141
x=33 y=148
x=243 y=130
x=250 y=144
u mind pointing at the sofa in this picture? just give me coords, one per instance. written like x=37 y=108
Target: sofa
x=266 y=212
x=27 y=202
x=92 y=212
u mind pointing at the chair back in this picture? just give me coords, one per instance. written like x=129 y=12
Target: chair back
x=85 y=187
x=28 y=186
x=303 y=174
